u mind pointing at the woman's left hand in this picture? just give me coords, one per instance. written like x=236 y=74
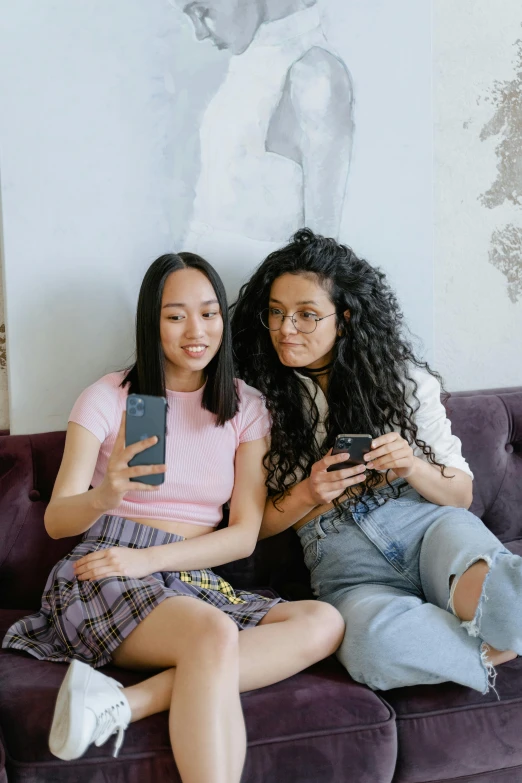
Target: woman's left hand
x=114 y=561
x=391 y=452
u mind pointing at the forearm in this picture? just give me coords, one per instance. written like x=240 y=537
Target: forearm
x=290 y=510
x=71 y=516
x=444 y=491
x=206 y=551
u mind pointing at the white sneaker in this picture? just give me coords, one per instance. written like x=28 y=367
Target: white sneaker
x=90 y=707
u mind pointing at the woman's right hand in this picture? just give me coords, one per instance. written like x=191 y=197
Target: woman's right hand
x=324 y=486
x=116 y=482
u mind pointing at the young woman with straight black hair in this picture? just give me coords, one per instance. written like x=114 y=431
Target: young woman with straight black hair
x=147 y=374
x=116 y=596
x=427 y=592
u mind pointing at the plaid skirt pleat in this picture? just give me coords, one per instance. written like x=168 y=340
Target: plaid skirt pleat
x=89 y=620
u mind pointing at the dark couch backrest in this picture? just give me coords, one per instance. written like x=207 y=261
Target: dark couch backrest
x=489 y=425
x=28 y=468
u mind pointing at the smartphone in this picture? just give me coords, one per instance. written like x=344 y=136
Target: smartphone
x=146 y=417
x=355 y=445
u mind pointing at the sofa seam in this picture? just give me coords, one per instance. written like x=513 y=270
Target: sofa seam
x=456 y=710
x=22 y=525
x=489 y=510
x=323 y=733
x=8 y=552
x=32 y=461
x=473 y=775
x=152 y=753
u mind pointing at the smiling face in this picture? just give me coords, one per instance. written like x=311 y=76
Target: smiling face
x=229 y=24
x=191 y=326
x=290 y=294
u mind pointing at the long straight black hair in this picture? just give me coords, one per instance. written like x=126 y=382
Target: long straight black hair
x=147 y=374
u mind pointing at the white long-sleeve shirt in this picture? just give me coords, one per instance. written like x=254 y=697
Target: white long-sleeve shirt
x=434 y=427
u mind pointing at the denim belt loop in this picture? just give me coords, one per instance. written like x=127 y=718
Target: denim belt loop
x=336 y=522
x=319 y=528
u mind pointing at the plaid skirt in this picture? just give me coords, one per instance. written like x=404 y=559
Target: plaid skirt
x=89 y=620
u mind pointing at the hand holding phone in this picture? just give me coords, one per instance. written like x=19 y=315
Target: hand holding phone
x=355 y=446
x=332 y=475
x=120 y=477
x=146 y=418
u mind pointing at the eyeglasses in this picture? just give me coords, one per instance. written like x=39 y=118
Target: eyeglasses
x=272 y=318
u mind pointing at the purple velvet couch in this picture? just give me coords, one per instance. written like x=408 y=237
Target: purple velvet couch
x=317 y=727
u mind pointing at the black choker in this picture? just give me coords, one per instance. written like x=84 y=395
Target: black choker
x=318 y=371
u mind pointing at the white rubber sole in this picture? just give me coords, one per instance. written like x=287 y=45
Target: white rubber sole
x=66 y=736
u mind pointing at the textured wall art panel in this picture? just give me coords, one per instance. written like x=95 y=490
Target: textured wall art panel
x=478 y=187
x=505 y=126
x=133 y=128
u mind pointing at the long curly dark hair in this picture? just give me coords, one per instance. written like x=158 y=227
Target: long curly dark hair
x=369 y=381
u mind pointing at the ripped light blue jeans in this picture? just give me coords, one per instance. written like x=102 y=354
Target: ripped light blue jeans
x=387 y=568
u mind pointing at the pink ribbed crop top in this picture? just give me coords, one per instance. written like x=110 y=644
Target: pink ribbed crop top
x=199 y=456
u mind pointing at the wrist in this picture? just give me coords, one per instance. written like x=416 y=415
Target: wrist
x=415 y=469
x=306 y=494
x=153 y=559
x=157 y=558
x=98 y=501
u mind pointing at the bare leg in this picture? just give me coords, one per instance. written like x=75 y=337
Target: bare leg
x=291 y=637
x=465 y=602
x=206 y=723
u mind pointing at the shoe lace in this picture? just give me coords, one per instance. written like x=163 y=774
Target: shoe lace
x=108 y=722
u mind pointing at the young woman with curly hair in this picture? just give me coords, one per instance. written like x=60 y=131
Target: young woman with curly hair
x=389 y=543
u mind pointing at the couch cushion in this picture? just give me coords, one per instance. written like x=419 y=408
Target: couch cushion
x=490 y=427
x=316 y=726
x=28 y=467
x=3 y=774
x=448 y=732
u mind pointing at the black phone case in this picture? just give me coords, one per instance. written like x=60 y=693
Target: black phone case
x=358 y=447
x=147 y=416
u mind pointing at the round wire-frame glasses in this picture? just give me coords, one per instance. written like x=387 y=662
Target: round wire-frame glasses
x=304 y=321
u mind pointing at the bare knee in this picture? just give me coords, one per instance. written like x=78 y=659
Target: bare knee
x=468 y=589
x=323 y=628
x=212 y=634
x=179 y=630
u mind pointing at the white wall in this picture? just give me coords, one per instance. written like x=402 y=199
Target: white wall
x=98 y=150
x=478 y=307
x=85 y=117
x=388 y=215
